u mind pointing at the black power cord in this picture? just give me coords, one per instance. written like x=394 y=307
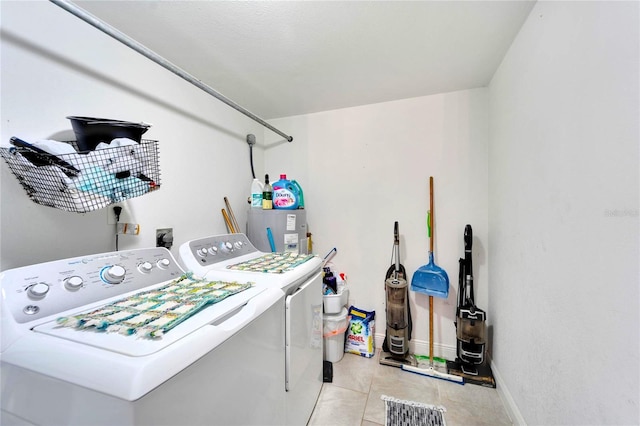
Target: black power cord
x=117 y=210
x=251 y=140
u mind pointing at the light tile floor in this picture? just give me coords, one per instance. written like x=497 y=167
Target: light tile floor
x=353 y=398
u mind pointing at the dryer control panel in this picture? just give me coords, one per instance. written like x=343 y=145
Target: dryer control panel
x=38 y=291
x=215 y=249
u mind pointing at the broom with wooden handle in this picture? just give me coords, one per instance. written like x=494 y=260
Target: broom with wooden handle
x=433 y=281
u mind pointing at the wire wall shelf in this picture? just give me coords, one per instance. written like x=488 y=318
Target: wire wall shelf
x=85 y=182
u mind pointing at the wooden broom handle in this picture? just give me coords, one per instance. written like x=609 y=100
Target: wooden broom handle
x=431 y=237
x=431 y=250
x=431 y=330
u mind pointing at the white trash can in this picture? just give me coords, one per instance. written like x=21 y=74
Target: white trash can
x=334 y=327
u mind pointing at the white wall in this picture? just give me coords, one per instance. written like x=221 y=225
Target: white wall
x=55 y=65
x=366 y=167
x=563 y=215
x=551 y=188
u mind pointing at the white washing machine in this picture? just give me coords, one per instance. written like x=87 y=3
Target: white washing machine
x=221 y=366
x=299 y=277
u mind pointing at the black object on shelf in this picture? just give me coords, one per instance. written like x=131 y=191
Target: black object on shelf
x=40 y=157
x=90 y=131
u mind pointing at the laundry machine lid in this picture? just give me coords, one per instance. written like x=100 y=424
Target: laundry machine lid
x=285 y=280
x=116 y=365
x=136 y=346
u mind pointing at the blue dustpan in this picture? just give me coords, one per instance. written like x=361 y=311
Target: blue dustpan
x=431 y=279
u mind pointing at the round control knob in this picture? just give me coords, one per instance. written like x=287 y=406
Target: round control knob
x=31 y=309
x=145 y=267
x=114 y=274
x=213 y=251
x=73 y=283
x=238 y=245
x=163 y=263
x=226 y=247
x=38 y=291
x=202 y=252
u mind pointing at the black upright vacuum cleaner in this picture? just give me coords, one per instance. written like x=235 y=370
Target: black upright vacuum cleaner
x=470 y=324
x=395 y=347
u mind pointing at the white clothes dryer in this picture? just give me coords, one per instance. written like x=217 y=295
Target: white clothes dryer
x=299 y=278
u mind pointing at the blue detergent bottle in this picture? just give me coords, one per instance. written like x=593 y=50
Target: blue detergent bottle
x=300 y=193
x=285 y=194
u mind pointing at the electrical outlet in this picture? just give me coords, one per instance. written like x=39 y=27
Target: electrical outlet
x=111 y=215
x=164 y=237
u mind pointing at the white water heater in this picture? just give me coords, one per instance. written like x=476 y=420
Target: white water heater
x=287 y=228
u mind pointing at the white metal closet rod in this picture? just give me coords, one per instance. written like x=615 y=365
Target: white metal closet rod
x=107 y=29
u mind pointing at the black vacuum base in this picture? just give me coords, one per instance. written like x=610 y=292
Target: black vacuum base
x=474 y=374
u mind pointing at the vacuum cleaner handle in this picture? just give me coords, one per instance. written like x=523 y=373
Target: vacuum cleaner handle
x=468 y=243
x=461 y=291
x=396 y=233
x=468 y=239
x=396 y=248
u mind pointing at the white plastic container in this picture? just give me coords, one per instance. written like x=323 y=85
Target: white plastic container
x=256 y=194
x=334 y=327
x=333 y=303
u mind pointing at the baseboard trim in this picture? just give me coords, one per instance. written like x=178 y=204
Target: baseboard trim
x=507 y=399
x=421 y=347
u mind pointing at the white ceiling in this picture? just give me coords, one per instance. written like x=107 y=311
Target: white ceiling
x=283 y=58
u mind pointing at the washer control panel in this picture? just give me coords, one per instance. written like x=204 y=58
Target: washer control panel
x=40 y=290
x=215 y=249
